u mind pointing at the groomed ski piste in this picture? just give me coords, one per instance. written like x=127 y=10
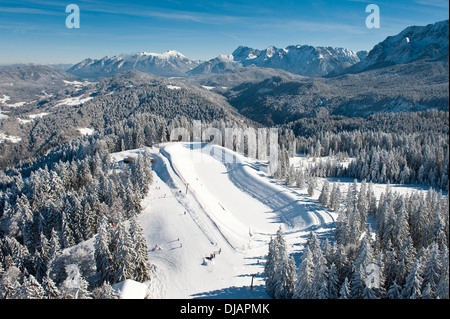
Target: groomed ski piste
x=209 y=217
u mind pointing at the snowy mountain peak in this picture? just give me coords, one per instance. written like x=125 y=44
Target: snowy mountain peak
x=172 y=53
x=413 y=43
x=170 y=63
x=299 y=59
x=226 y=58
x=164 y=55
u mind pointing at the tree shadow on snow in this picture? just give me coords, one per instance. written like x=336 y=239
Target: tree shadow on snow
x=258 y=292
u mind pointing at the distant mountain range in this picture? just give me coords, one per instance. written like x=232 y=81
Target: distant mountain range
x=302 y=60
x=416 y=86
x=32 y=82
x=43 y=105
x=411 y=44
x=168 y=64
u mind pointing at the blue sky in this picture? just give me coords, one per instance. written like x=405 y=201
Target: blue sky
x=35 y=30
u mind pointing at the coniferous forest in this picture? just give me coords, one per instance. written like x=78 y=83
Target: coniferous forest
x=344 y=197
x=394 y=247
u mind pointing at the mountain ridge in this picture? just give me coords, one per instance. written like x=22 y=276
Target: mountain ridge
x=168 y=64
x=411 y=44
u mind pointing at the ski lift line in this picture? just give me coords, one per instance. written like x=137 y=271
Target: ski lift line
x=196 y=220
x=202 y=205
x=221 y=206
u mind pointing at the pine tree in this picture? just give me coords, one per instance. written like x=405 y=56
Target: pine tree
x=368 y=293
x=427 y=292
x=372 y=200
x=324 y=197
x=124 y=256
x=54 y=246
x=290 y=176
x=31 y=289
x=333 y=282
x=344 y=293
x=432 y=271
x=102 y=255
x=87 y=220
x=279 y=269
x=442 y=290
x=23 y=208
x=270 y=267
x=413 y=284
x=85 y=174
x=68 y=238
x=141 y=250
x=335 y=197
x=300 y=179
x=284 y=276
x=44 y=248
x=40 y=266
x=311 y=185
x=352 y=197
x=105 y=291
x=341 y=232
x=357 y=284
x=363 y=203
x=133 y=202
x=400 y=231
x=365 y=262
x=303 y=289
x=390 y=268
x=74 y=286
x=10 y=282
x=417 y=220
x=394 y=292
x=50 y=288
x=320 y=281
x=356 y=222
x=406 y=260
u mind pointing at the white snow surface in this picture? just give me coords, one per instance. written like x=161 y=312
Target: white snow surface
x=86 y=130
x=3 y=116
x=40 y=115
x=130 y=289
x=18 y=104
x=9 y=138
x=233 y=208
x=73 y=101
x=206 y=199
x=173 y=87
x=4 y=99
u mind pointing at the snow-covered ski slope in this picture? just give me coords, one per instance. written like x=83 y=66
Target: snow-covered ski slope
x=206 y=199
x=202 y=203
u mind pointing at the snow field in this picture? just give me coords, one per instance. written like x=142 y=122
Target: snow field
x=230 y=206
x=221 y=215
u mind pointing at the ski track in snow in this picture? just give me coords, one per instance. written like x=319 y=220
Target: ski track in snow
x=163 y=173
x=229 y=206
x=232 y=207
x=296 y=211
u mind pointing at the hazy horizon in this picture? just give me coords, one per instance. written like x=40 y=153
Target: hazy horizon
x=35 y=31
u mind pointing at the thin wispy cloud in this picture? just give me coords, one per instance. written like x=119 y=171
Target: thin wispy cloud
x=202 y=27
x=149 y=12
x=434 y=3
x=310 y=26
x=22 y=10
